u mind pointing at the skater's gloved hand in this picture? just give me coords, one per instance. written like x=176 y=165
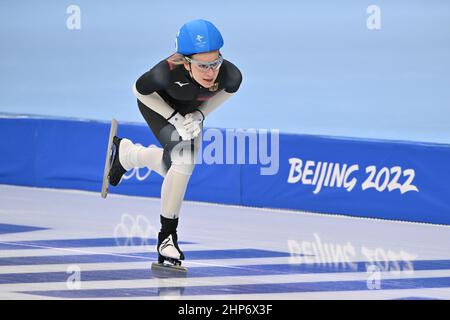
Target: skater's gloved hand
x=193 y=123
x=177 y=121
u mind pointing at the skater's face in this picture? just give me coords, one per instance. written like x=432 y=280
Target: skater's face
x=204 y=67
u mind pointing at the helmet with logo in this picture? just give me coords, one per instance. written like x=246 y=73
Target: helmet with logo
x=198 y=36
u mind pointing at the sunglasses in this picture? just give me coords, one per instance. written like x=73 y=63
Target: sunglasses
x=205 y=66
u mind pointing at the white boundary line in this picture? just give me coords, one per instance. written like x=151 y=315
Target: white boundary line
x=116 y=255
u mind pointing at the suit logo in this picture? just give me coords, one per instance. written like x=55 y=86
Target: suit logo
x=181 y=84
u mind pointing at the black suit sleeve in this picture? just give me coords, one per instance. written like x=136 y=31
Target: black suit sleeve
x=153 y=80
x=233 y=77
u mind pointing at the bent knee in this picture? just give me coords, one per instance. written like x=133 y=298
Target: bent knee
x=183 y=168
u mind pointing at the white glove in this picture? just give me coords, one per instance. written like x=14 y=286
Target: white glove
x=177 y=121
x=193 y=123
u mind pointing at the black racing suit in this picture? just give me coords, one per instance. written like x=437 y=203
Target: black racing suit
x=179 y=90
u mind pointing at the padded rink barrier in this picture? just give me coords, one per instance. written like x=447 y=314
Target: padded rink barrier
x=392 y=180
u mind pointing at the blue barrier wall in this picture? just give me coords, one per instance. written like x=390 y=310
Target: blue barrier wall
x=369 y=178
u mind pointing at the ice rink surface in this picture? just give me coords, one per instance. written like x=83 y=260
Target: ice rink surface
x=61 y=244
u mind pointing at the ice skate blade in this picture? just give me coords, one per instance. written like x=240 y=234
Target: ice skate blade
x=163 y=269
x=105 y=183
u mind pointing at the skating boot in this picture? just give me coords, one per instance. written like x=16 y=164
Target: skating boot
x=117 y=171
x=169 y=254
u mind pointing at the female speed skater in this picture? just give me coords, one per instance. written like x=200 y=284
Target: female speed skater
x=175 y=97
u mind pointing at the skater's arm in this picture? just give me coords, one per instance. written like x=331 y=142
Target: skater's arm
x=232 y=79
x=146 y=87
x=194 y=119
x=157 y=104
x=154 y=102
x=210 y=105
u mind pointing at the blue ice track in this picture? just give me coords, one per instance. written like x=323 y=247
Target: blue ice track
x=140 y=256
x=247 y=255
x=200 y=272
x=397 y=284
x=11 y=228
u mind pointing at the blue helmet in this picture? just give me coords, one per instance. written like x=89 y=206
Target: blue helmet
x=198 y=36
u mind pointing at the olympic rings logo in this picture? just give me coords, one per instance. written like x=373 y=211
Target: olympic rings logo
x=134 y=231
x=135 y=172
